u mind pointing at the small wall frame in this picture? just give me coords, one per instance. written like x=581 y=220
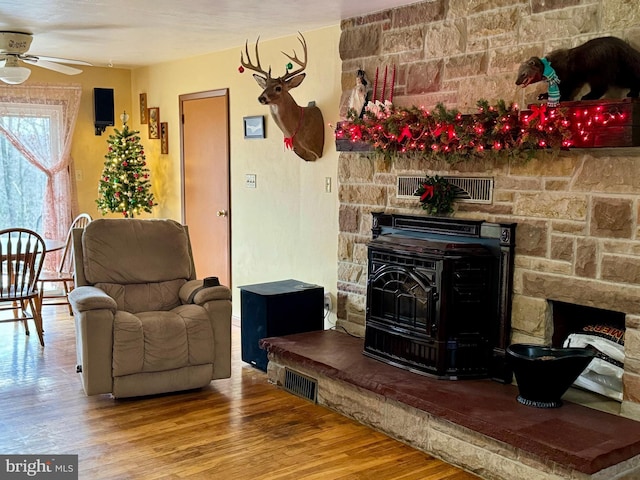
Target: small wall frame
x=164 y=137
x=254 y=126
x=143 y=108
x=154 y=122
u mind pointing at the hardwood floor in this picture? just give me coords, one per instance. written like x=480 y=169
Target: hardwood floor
x=237 y=428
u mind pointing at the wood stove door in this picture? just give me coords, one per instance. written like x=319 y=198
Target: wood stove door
x=404 y=299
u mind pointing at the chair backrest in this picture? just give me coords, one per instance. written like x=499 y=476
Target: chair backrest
x=132 y=251
x=66 y=262
x=21 y=256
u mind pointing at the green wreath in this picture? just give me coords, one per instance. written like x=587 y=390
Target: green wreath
x=436 y=195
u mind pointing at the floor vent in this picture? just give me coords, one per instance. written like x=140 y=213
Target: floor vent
x=470 y=189
x=301 y=385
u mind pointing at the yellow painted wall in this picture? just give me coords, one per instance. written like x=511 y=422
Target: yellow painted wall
x=88 y=150
x=286 y=227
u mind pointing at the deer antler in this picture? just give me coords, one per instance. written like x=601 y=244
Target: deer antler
x=249 y=64
x=302 y=63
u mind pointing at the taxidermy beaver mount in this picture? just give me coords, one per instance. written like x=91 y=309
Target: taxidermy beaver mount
x=602 y=63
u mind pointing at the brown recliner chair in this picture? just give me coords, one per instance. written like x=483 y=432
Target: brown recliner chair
x=144 y=324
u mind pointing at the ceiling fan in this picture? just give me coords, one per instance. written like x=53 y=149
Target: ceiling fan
x=14 y=47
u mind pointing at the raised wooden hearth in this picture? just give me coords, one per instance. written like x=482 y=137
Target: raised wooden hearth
x=475 y=424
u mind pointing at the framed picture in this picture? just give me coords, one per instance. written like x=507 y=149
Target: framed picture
x=164 y=137
x=143 y=108
x=254 y=126
x=154 y=122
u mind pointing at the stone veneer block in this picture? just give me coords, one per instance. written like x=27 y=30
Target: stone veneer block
x=531 y=239
x=496 y=22
x=632 y=343
x=464 y=8
x=539 y=6
x=562 y=248
x=586 y=264
x=424 y=77
x=463 y=66
x=608 y=174
x=360 y=42
x=551 y=165
x=354 y=168
x=419 y=13
x=617 y=14
x=631 y=382
x=582 y=291
x=531 y=315
x=572 y=22
x=551 y=205
x=569 y=226
x=403 y=40
x=611 y=217
x=350 y=273
x=616 y=268
x=504 y=59
x=446 y=38
x=632 y=321
x=349 y=219
x=363 y=194
x=345 y=247
x=360 y=253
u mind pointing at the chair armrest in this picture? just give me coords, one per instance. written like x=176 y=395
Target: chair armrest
x=202 y=295
x=87 y=298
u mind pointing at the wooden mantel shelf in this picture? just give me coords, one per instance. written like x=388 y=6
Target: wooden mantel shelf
x=597 y=124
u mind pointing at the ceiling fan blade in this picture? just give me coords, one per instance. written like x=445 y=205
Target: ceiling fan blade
x=68 y=61
x=56 y=67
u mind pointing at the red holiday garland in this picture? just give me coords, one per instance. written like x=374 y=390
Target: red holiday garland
x=390 y=129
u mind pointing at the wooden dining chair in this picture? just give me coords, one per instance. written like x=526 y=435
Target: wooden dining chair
x=65 y=273
x=21 y=256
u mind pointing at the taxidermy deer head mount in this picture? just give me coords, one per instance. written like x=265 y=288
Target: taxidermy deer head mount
x=303 y=127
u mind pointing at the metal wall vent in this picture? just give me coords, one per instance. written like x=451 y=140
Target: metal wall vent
x=471 y=189
x=300 y=385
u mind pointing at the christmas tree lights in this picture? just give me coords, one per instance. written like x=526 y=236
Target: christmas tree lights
x=124 y=185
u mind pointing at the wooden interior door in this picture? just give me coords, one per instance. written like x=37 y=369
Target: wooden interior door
x=205 y=181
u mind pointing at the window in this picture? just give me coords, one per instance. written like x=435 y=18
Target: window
x=36 y=129
x=23 y=184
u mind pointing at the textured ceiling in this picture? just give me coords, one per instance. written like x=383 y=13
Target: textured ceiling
x=132 y=33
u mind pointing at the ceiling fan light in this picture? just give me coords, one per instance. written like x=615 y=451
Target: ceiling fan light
x=14 y=75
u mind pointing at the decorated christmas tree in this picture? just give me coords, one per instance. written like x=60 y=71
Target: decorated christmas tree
x=124 y=185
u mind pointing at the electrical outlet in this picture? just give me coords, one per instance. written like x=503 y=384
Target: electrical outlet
x=327 y=302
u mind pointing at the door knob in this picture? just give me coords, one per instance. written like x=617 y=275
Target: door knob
x=221 y=213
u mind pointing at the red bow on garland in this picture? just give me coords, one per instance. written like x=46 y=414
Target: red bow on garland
x=428 y=192
x=406 y=133
x=539 y=111
x=450 y=129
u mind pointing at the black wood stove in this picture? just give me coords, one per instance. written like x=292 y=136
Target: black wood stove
x=439 y=295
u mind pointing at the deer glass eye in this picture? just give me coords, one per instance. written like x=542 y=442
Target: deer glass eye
x=278 y=89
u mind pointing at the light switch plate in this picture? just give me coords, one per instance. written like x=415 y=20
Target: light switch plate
x=250 y=180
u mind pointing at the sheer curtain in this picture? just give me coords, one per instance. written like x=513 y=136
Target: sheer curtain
x=52 y=155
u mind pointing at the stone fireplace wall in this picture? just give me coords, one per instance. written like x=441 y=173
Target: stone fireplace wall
x=578 y=213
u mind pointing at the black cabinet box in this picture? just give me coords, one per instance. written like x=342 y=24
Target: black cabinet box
x=275 y=309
